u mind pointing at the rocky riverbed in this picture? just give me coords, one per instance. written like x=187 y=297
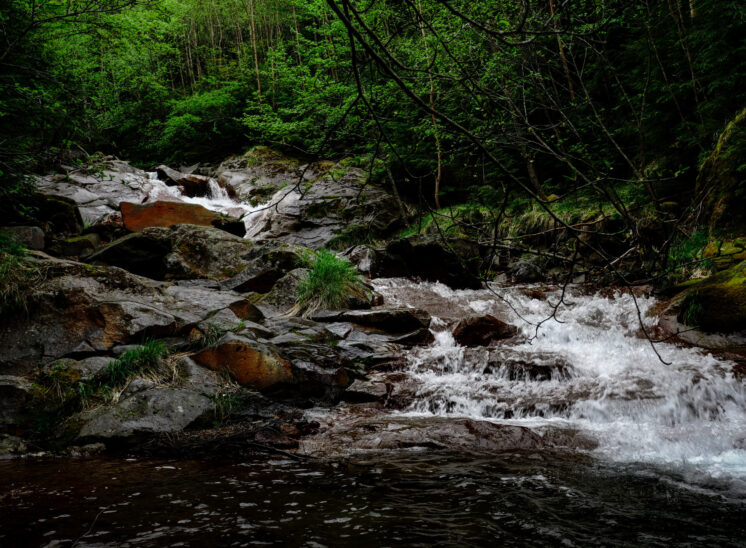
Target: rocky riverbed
x=203 y=266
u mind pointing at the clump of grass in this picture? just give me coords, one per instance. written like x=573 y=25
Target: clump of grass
x=331 y=283
x=142 y=359
x=693 y=310
x=17 y=274
x=225 y=403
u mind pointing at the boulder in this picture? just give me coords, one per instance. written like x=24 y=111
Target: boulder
x=454 y=263
x=97 y=192
x=30 y=236
x=716 y=304
x=362 y=391
x=52 y=214
x=283 y=292
x=527 y=366
x=482 y=331
x=15 y=395
x=365 y=432
x=142 y=254
x=721 y=180
x=313 y=205
x=319 y=369
x=168 y=175
x=392 y=320
x=76 y=246
x=248 y=362
x=81 y=311
x=192 y=185
x=178 y=252
x=265 y=265
x=137 y=217
x=11 y=445
x=526 y=271
x=145 y=413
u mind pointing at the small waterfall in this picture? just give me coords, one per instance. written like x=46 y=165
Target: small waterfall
x=593 y=372
x=217 y=199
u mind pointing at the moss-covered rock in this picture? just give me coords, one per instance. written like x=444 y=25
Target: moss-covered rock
x=723 y=177
x=724 y=254
x=716 y=304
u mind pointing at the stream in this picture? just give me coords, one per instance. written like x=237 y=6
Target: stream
x=657 y=450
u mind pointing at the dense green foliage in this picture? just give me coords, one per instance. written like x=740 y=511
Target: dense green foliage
x=492 y=103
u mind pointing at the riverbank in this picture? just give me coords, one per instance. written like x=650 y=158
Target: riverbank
x=170 y=325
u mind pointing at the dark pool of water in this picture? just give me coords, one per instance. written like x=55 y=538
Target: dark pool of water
x=409 y=498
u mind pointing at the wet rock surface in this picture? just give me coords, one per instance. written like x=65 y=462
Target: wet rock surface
x=249 y=363
x=311 y=205
x=482 y=331
x=137 y=217
x=396 y=320
x=181 y=251
x=368 y=430
x=142 y=413
x=452 y=262
x=82 y=311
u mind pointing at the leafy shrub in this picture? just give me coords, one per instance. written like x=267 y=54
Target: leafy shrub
x=331 y=283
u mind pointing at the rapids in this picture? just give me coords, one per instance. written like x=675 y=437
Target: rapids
x=667 y=464
x=685 y=410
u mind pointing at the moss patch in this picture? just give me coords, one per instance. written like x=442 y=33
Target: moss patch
x=718 y=303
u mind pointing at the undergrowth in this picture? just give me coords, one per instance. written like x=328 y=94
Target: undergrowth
x=330 y=283
x=17 y=274
x=685 y=259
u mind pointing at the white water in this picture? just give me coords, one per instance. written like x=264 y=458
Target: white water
x=614 y=388
x=217 y=200
x=691 y=413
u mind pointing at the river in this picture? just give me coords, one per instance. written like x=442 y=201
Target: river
x=657 y=450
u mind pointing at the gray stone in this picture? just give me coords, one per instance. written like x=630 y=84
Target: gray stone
x=80 y=311
x=348 y=434
x=136 y=385
x=196 y=378
x=365 y=391
x=525 y=271
x=30 y=236
x=453 y=262
x=178 y=252
x=152 y=411
x=15 y=394
x=266 y=264
x=312 y=204
x=389 y=320
x=11 y=445
x=92 y=366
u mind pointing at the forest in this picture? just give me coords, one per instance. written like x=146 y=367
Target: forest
x=453 y=258
x=548 y=111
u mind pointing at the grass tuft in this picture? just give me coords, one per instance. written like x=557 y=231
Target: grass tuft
x=331 y=283
x=142 y=359
x=17 y=274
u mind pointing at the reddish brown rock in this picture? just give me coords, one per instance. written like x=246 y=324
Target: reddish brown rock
x=137 y=217
x=247 y=364
x=482 y=331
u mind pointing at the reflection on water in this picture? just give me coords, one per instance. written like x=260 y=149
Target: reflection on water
x=405 y=498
